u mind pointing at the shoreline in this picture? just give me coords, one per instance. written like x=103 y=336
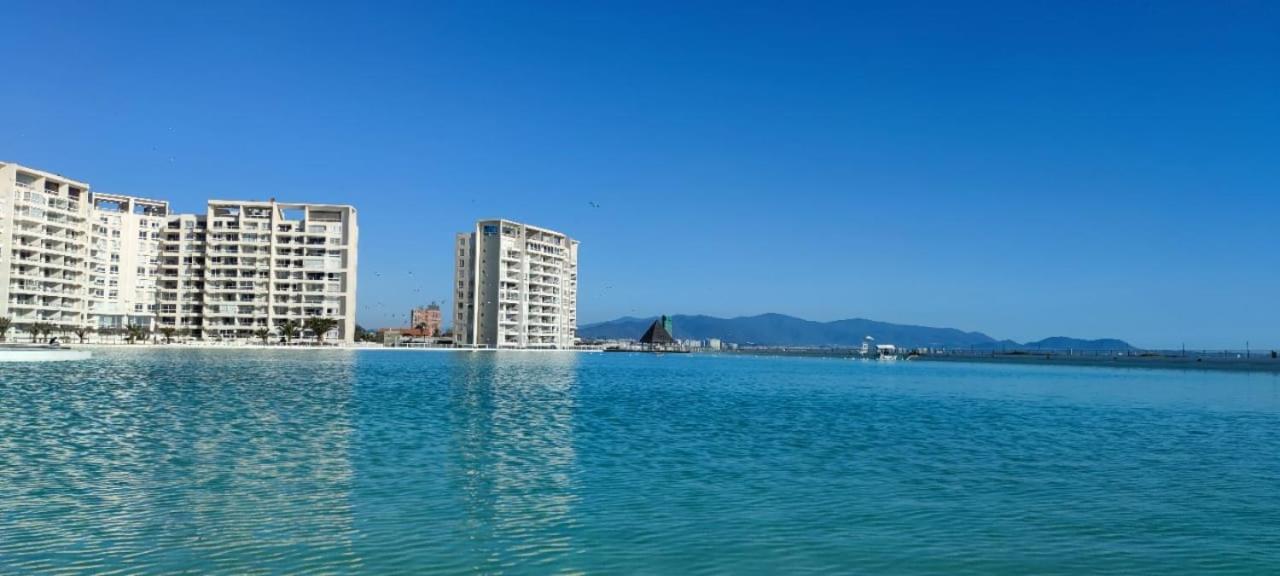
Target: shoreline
x=343 y=348
x=1263 y=364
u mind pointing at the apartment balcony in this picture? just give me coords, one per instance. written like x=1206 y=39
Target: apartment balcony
x=52 y=224
x=55 y=318
x=39 y=233
x=44 y=201
x=233 y=316
x=46 y=306
x=46 y=280
x=48 y=250
x=544 y=284
x=42 y=264
x=41 y=289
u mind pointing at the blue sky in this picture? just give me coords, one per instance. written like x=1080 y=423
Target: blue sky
x=1026 y=169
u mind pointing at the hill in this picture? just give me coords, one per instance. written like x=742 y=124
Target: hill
x=1065 y=343
x=783 y=330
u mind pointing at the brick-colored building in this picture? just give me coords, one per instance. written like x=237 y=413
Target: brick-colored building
x=428 y=318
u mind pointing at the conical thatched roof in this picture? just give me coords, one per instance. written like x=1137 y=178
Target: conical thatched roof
x=657 y=334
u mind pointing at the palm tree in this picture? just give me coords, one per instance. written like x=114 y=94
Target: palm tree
x=82 y=332
x=289 y=330
x=47 y=329
x=320 y=326
x=5 y=323
x=263 y=334
x=134 y=332
x=362 y=334
x=39 y=328
x=168 y=332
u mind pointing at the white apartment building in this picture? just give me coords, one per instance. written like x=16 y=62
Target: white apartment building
x=244 y=266
x=43 y=248
x=516 y=286
x=71 y=258
x=124 y=258
x=180 y=284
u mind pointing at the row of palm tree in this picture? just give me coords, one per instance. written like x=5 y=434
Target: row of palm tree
x=38 y=328
x=35 y=329
x=290 y=329
x=133 y=333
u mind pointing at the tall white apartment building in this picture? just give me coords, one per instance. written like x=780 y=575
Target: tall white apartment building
x=43 y=248
x=124 y=258
x=180 y=284
x=516 y=286
x=244 y=266
x=71 y=258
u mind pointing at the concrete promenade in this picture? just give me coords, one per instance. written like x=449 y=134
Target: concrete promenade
x=1235 y=360
x=1227 y=360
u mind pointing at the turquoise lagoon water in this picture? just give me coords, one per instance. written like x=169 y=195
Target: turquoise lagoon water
x=381 y=461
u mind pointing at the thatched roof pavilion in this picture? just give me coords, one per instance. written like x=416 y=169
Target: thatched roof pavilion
x=657 y=334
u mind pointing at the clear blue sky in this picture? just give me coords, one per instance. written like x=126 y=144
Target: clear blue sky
x=1025 y=169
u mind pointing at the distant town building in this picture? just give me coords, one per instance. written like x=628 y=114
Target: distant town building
x=515 y=286
x=712 y=344
x=409 y=336
x=427 y=317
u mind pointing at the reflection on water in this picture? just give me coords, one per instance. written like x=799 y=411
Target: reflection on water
x=458 y=462
x=511 y=459
x=187 y=459
x=465 y=458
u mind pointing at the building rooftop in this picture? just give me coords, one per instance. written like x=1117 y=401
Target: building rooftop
x=268 y=203
x=44 y=173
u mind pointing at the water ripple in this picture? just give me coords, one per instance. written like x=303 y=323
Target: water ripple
x=349 y=462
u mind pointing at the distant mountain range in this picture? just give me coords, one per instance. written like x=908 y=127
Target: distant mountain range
x=783 y=330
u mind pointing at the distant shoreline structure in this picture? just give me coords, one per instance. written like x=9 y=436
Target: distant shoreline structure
x=1228 y=360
